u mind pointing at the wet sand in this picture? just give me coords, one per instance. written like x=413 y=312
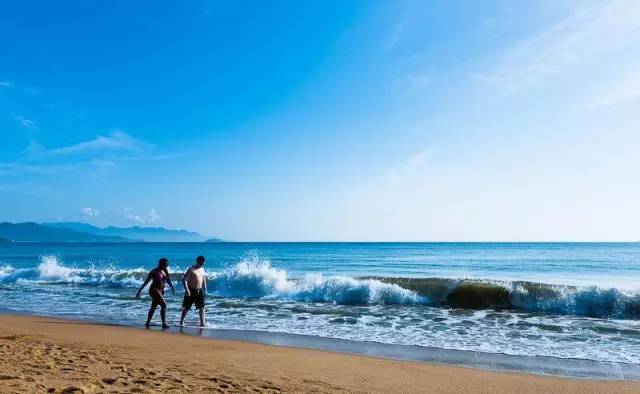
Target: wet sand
x=49 y=355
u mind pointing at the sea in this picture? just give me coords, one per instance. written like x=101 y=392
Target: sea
x=578 y=302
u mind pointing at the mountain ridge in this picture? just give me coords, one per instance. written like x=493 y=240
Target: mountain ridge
x=134 y=233
x=84 y=232
x=34 y=232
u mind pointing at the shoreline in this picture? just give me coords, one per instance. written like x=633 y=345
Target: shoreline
x=496 y=362
x=46 y=353
x=484 y=361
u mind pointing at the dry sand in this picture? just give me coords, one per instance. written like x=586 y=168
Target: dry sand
x=47 y=355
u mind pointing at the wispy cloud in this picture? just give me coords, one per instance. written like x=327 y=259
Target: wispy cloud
x=117 y=140
x=414 y=83
x=580 y=39
x=18 y=88
x=90 y=212
x=23 y=187
x=411 y=165
x=394 y=37
x=622 y=91
x=26 y=123
x=14 y=168
x=34 y=150
x=101 y=153
x=150 y=218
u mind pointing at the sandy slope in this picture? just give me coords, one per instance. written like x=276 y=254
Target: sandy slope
x=40 y=355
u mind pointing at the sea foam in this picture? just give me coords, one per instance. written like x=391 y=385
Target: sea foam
x=261 y=280
x=256 y=278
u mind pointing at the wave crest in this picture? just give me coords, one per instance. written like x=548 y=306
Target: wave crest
x=259 y=279
x=51 y=271
x=254 y=278
x=590 y=301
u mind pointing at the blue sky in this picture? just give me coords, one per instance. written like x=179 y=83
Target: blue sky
x=327 y=120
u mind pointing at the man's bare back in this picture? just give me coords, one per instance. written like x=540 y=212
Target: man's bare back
x=195 y=277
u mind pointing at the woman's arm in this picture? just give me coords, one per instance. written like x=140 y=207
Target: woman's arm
x=166 y=272
x=143 y=285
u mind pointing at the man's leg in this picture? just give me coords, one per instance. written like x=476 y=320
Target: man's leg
x=202 y=316
x=184 y=314
x=186 y=306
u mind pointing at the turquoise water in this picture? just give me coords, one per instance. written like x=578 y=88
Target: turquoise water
x=562 y=300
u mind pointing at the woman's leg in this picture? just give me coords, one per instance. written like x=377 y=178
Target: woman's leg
x=152 y=310
x=163 y=310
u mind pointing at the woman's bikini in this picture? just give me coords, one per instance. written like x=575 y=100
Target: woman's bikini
x=157 y=284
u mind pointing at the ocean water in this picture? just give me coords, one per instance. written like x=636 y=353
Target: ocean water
x=563 y=300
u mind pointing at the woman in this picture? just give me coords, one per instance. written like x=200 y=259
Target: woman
x=157 y=277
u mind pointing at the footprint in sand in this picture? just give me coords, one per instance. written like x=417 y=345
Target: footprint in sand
x=72 y=389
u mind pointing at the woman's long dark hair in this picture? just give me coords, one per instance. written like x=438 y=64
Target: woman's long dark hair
x=163 y=262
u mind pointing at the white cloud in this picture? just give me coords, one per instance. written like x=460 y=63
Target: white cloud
x=35 y=150
x=42 y=169
x=96 y=154
x=414 y=83
x=395 y=36
x=411 y=166
x=90 y=212
x=623 y=91
x=117 y=140
x=150 y=218
x=26 y=123
x=153 y=215
x=582 y=40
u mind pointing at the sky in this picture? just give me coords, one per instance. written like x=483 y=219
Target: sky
x=325 y=120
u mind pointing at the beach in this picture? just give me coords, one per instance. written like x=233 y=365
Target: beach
x=320 y=196
x=554 y=301
x=52 y=355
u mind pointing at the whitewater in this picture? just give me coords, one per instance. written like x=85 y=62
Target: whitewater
x=576 y=301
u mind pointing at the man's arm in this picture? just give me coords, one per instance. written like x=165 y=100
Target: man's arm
x=184 y=281
x=204 y=283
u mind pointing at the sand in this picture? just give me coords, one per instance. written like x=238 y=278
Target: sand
x=48 y=355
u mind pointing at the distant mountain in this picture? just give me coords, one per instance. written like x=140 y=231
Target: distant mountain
x=213 y=240
x=34 y=232
x=136 y=233
x=76 y=226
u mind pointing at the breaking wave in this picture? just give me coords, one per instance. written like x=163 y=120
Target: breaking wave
x=261 y=280
x=253 y=278
x=590 y=301
x=51 y=271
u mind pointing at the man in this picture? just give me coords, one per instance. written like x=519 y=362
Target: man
x=195 y=290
